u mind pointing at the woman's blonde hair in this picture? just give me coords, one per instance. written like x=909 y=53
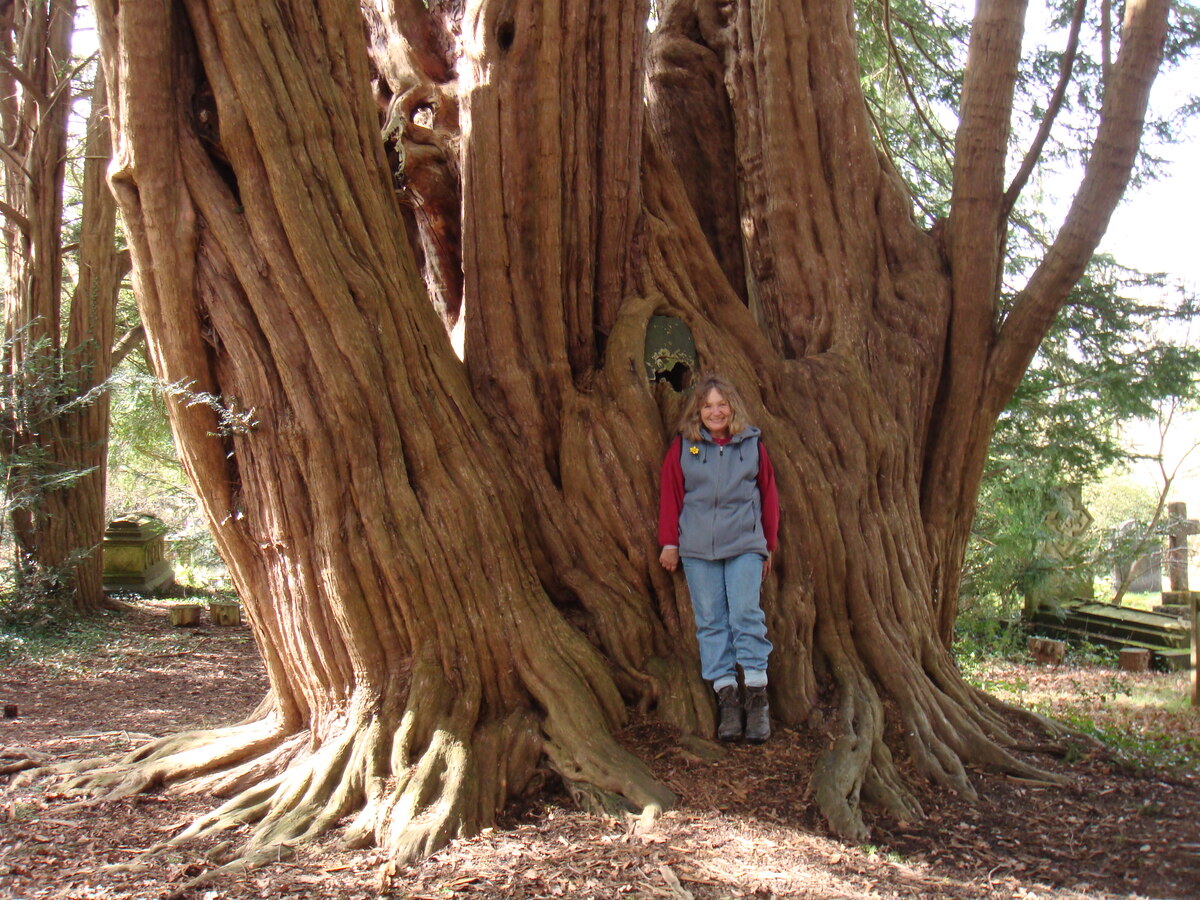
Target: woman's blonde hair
x=689 y=421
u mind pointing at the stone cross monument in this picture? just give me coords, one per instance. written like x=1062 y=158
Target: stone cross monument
x=1177 y=542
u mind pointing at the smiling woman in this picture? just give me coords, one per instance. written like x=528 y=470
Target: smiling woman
x=715 y=414
x=719 y=517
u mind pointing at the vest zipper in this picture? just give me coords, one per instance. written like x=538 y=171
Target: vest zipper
x=717 y=495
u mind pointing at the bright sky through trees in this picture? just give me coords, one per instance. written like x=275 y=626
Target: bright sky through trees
x=1154 y=229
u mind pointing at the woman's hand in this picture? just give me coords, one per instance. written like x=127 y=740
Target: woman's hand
x=766 y=565
x=669 y=558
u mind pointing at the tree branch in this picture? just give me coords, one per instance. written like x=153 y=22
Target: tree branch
x=918 y=41
x=1052 y=110
x=1118 y=137
x=18 y=74
x=887 y=151
x=126 y=344
x=894 y=52
x=15 y=216
x=60 y=90
x=65 y=83
x=14 y=160
x=1105 y=40
x=976 y=226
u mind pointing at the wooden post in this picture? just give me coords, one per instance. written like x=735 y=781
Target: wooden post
x=1196 y=649
x=225 y=613
x=184 y=615
x=1135 y=659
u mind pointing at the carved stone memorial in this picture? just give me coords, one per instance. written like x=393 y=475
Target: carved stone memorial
x=135 y=555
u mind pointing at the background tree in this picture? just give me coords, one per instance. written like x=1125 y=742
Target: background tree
x=57 y=338
x=1117 y=354
x=1141 y=536
x=451 y=568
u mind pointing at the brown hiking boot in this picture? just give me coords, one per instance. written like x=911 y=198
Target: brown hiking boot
x=758 y=715
x=730 y=704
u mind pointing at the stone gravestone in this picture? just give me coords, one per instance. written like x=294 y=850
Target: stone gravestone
x=135 y=555
x=1141 y=574
x=1145 y=573
x=1178 y=600
x=1063 y=580
x=1179 y=528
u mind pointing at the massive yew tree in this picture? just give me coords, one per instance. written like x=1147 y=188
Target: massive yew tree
x=450 y=566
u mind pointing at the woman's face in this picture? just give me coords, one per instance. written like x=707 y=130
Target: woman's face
x=716 y=414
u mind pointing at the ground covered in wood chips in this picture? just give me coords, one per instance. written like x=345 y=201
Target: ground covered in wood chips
x=1127 y=826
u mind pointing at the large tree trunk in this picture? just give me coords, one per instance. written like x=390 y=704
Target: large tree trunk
x=451 y=568
x=58 y=409
x=363 y=499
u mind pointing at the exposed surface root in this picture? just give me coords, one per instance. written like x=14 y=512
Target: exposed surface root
x=411 y=785
x=19 y=759
x=841 y=771
x=946 y=732
x=168 y=760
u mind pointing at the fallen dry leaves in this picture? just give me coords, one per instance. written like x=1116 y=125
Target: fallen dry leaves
x=745 y=826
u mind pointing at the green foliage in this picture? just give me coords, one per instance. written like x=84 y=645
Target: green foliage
x=980 y=640
x=912 y=54
x=29 y=596
x=1070 y=143
x=145 y=475
x=1141 y=750
x=232 y=417
x=1107 y=360
x=47 y=637
x=35 y=393
x=1004 y=562
x=1089 y=654
x=1112 y=356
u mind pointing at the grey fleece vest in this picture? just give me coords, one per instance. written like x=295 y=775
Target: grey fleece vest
x=722 y=509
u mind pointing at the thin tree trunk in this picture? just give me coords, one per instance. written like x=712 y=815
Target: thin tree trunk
x=59 y=433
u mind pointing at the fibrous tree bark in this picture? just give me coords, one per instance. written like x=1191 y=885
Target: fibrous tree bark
x=57 y=344
x=450 y=567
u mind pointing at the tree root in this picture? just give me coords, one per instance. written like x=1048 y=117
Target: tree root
x=858 y=760
x=170 y=759
x=20 y=759
x=948 y=726
x=411 y=785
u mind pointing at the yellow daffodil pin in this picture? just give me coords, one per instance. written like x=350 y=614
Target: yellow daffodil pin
x=695 y=451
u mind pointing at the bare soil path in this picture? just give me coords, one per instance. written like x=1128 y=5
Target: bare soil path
x=744 y=827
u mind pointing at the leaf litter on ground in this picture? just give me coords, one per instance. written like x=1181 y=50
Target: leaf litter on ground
x=745 y=825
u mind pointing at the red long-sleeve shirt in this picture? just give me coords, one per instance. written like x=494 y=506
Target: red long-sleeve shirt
x=670 y=498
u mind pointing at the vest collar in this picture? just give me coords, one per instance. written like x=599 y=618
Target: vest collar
x=748 y=432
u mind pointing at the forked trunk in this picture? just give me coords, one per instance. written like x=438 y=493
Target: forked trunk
x=451 y=568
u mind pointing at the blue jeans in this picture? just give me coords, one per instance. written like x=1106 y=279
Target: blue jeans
x=730 y=624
